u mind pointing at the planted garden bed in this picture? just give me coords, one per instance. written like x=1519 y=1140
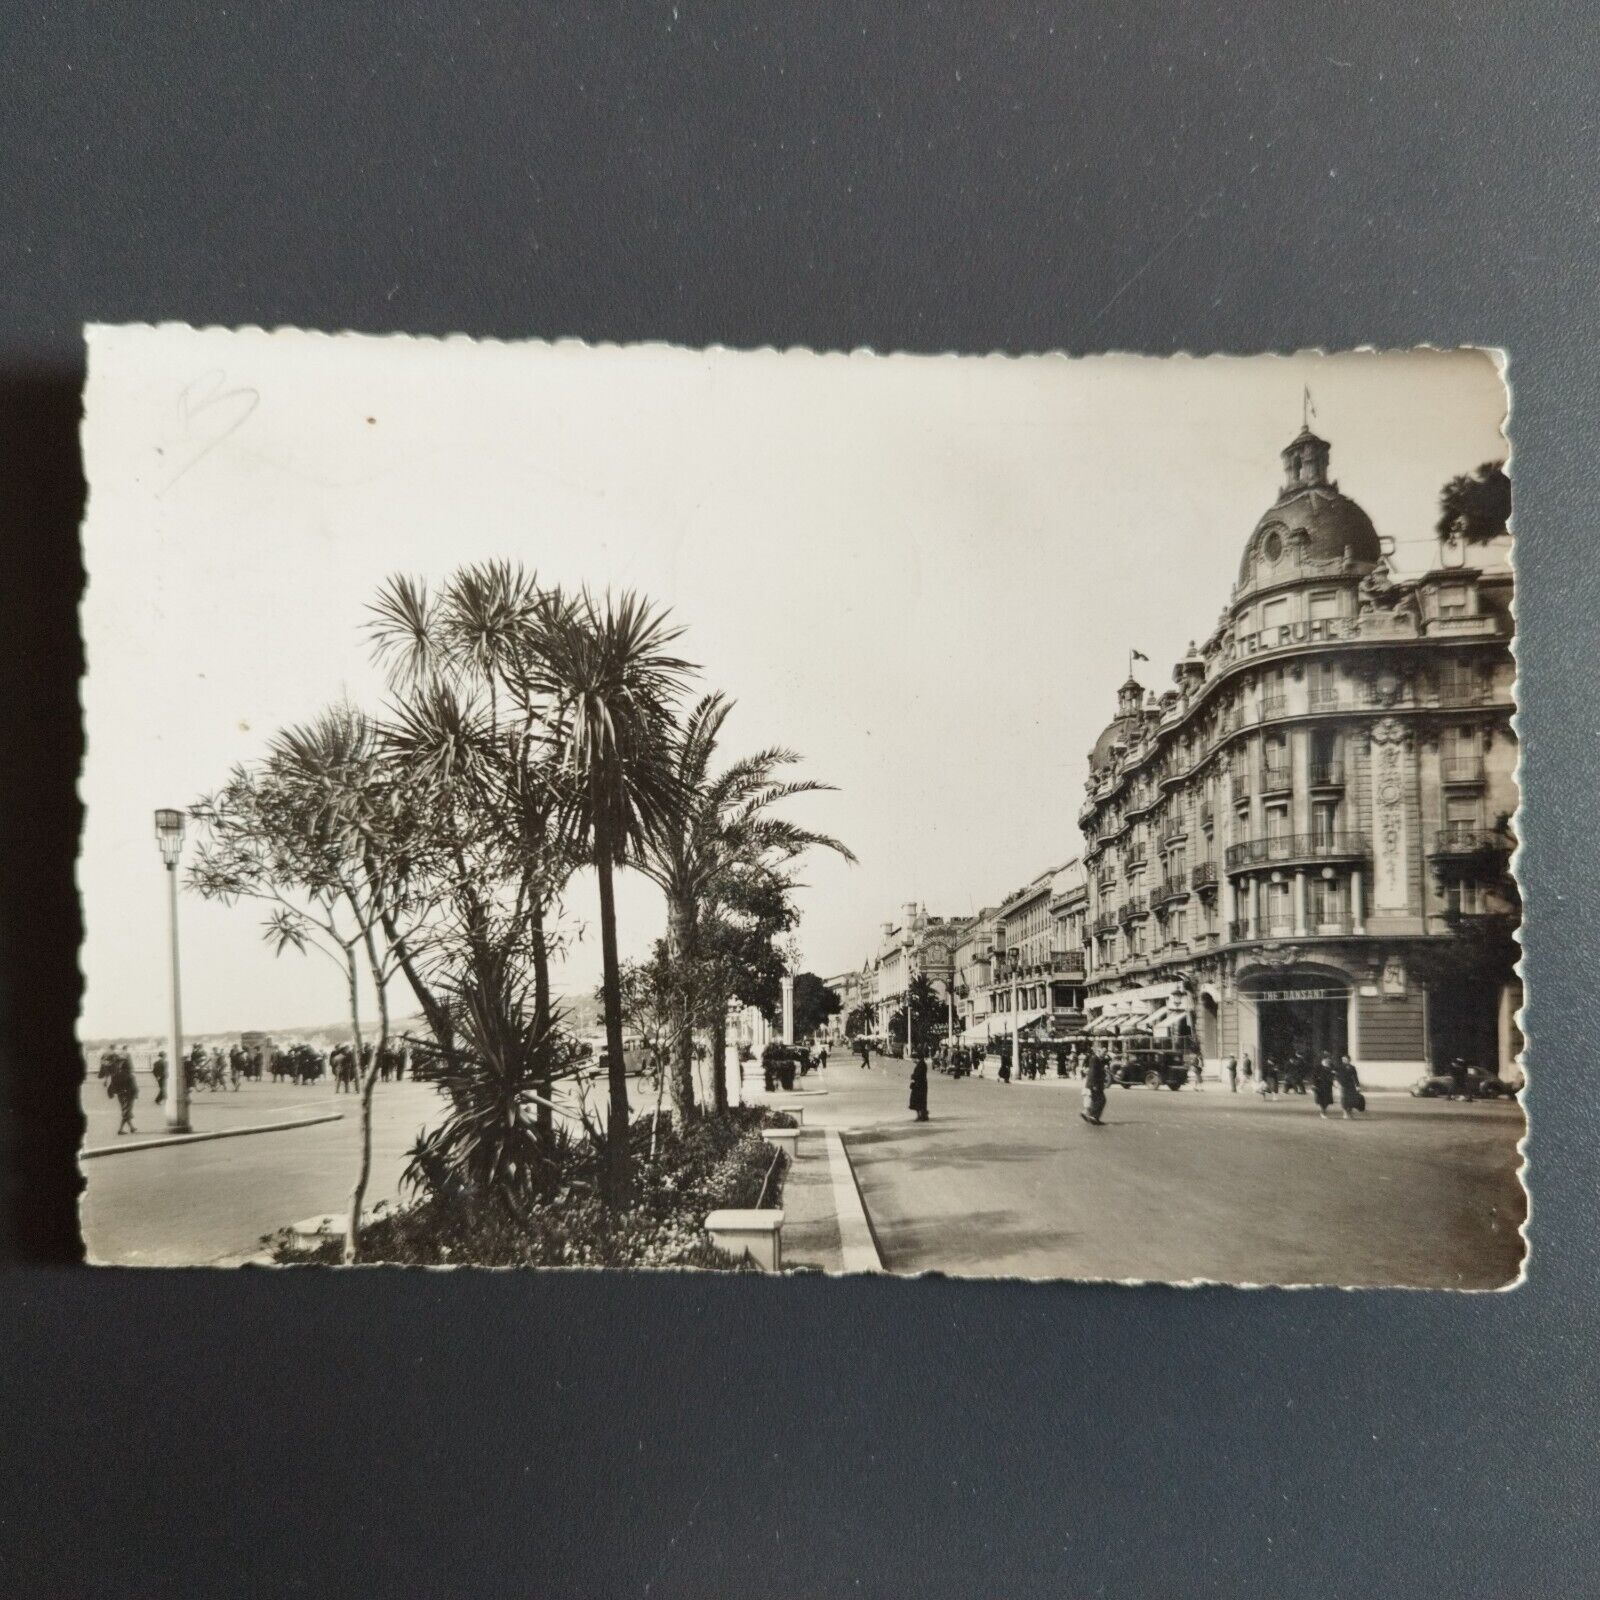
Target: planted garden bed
x=717 y=1163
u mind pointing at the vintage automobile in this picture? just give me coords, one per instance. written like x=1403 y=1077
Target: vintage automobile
x=1477 y=1085
x=1155 y=1069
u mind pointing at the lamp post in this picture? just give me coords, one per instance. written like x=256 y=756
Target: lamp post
x=169 y=835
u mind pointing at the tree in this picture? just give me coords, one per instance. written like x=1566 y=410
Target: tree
x=472 y=729
x=862 y=1020
x=1476 y=505
x=737 y=959
x=604 y=668
x=503 y=1052
x=814 y=1003
x=323 y=837
x=717 y=823
x=927 y=1012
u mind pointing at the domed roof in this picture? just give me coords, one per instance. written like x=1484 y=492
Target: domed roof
x=1100 y=756
x=1311 y=520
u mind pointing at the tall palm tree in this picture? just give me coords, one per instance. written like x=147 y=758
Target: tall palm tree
x=605 y=670
x=716 y=824
x=472 y=726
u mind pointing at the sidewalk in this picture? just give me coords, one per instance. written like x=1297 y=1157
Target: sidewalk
x=825 y=1227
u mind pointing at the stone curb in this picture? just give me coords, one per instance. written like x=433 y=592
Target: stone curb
x=857 y=1245
x=201 y=1138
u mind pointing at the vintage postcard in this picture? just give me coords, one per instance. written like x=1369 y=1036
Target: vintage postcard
x=1033 y=817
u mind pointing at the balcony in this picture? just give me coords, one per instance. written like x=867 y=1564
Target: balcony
x=1136 y=854
x=1171 y=888
x=1274 y=705
x=1328 y=774
x=1240 y=786
x=1238 y=931
x=1277 y=778
x=1207 y=818
x=1461 y=692
x=1287 y=847
x=1461 y=769
x=1105 y=922
x=1324 y=697
x=1461 y=842
x=1066 y=964
x=1134 y=906
x=1203 y=875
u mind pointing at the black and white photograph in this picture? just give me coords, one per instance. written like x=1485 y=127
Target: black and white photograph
x=635 y=807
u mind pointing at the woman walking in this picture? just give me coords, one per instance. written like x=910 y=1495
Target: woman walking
x=1351 y=1098
x=1322 y=1083
x=919 y=1087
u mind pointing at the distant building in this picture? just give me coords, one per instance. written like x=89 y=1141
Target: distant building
x=1036 y=981
x=910 y=944
x=1304 y=844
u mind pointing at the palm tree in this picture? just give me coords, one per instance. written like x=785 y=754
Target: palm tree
x=472 y=727
x=717 y=824
x=605 y=670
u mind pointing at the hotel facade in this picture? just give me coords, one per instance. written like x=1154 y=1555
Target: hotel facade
x=1304 y=844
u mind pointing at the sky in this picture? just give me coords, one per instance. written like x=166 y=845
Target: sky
x=922 y=573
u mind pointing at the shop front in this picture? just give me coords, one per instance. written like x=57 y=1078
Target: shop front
x=1300 y=1013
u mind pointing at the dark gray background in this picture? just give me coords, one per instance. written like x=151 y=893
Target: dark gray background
x=939 y=177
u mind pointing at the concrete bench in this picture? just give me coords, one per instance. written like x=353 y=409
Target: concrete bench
x=757 y=1234
x=309 y=1232
x=786 y=1139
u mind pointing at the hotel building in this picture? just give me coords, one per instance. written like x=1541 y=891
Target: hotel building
x=1304 y=844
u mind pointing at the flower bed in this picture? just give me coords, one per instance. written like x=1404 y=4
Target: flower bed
x=718 y=1163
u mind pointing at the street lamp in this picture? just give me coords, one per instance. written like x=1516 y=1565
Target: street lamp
x=169 y=835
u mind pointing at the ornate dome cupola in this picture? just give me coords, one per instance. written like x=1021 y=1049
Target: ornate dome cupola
x=1311 y=525
x=1305 y=462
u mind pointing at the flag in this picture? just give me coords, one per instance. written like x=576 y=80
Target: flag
x=1308 y=410
x=1138 y=655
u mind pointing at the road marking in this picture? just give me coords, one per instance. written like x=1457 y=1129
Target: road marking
x=859 y=1249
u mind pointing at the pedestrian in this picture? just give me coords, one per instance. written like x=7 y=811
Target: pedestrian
x=1249 y=1067
x=1094 y=1089
x=1269 y=1078
x=1198 y=1069
x=1351 y=1099
x=402 y=1059
x=919 y=1086
x=1322 y=1083
x=1005 y=1064
x=122 y=1087
x=158 y=1071
x=1230 y=1067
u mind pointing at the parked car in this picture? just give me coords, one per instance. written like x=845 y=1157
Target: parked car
x=1478 y=1085
x=1153 y=1071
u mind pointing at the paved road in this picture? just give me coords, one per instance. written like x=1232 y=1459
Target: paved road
x=1008 y=1181
x=212 y=1202
x=199 y=1204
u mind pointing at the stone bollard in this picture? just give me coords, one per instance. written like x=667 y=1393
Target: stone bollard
x=786 y=1139
x=757 y=1234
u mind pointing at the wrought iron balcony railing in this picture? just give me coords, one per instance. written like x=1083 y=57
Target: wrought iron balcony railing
x=1329 y=846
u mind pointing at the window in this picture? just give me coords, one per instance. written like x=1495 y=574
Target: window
x=1461 y=816
x=1274 y=615
x=1279 y=919
x=1324 y=604
x=1325 y=901
x=1324 y=689
x=1453 y=600
x=1325 y=822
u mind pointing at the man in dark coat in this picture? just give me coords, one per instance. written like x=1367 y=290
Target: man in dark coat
x=1095 y=1077
x=919 y=1086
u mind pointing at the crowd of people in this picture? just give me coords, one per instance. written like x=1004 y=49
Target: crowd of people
x=216 y=1069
